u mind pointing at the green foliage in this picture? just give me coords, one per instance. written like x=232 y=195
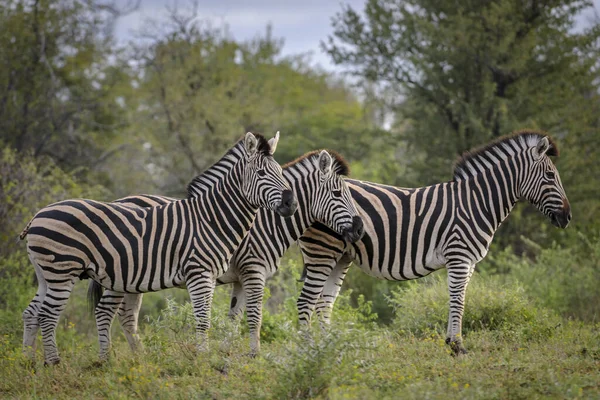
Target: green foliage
x=465 y=73
x=60 y=80
x=28 y=184
x=491 y=305
x=565 y=279
x=341 y=362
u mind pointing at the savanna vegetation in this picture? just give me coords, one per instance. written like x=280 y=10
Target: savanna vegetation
x=81 y=116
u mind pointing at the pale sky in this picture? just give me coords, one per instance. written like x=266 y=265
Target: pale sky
x=301 y=23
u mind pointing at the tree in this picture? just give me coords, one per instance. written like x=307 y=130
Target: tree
x=466 y=72
x=470 y=71
x=199 y=90
x=59 y=76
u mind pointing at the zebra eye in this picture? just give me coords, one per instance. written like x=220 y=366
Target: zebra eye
x=336 y=193
x=550 y=175
x=261 y=173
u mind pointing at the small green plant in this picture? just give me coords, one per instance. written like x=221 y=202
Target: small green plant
x=491 y=304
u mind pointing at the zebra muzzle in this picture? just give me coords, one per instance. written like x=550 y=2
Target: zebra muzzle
x=561 y=218
x=356 y=231
x=288 y=205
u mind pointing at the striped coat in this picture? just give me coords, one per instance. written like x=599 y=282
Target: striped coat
x=135 y=250
x=317 y=180
x=410 y=233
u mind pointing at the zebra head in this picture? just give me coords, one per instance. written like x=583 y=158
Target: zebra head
x=263 y=183
x=333 y=204
x=542 y=185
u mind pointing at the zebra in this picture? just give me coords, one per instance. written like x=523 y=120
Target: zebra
x=410 y=233
x=317 y=180
x=135 y=250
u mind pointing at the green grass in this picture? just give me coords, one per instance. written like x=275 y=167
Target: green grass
x=347 y=361
x=523 y=342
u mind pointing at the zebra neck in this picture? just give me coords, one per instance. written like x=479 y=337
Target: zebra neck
x=215 y=174
x=224 y=209
x=492 y=194
x=286 y=231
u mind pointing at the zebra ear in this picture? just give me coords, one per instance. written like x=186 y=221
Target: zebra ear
x=542 y=147
x=325 y=162
x=273 y=143
x=250 y=143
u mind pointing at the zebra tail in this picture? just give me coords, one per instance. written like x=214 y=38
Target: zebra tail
x=25 y=231
x=303 y=276
x=94 y=294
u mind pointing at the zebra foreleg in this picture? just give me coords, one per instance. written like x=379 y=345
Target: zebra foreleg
x=128 y=318
x=331 y=290
x=201 y=286
x=105 y=312
x=238 y=301
x=316 y=277
x=459 y=275
x=254 y=288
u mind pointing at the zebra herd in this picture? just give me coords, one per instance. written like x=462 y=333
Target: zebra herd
x=245 y=211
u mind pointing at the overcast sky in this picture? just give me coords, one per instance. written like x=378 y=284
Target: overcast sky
x=301 y=23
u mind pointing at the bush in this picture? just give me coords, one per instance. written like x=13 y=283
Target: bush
x=491 y=304
x=28 y=184
x=566 y=279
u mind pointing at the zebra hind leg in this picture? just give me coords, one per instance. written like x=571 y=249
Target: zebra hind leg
x=128 y=318
x=57 y=295
x=238 y=301
x=459 y=275
x=30 y=315
x=105 y=313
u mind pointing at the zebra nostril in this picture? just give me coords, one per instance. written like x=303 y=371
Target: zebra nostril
x=287 y=198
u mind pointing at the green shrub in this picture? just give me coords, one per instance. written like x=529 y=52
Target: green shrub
x=491 y=304
x=566 y=279
x=28 y=184
x=311 y=363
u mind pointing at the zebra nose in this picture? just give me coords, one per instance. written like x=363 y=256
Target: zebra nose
x=358 y=227
x=288 y=204
x=288 y=199
x=355 y=231
x=567 y=210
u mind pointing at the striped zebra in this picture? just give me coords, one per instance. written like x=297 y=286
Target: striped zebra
x=135 y=250
x=317 y=180
x=410 y=233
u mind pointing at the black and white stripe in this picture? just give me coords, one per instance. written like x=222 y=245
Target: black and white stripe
x=317 y=181
x=410 y=233
x=135 y=250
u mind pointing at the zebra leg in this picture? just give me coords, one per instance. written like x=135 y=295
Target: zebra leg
x=459 y=275
x=238 y=301
x=30 y=315
x=128 y=318
x=316 y=277
x=57 y=295
x=331 y=290
x=201 y=286
x=105 y=312
x=254 y=288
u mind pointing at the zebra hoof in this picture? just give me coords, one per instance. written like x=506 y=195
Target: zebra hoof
x=457 y=347
x=51 y=362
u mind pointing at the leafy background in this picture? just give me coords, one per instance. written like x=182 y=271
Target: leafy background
x=83 y=115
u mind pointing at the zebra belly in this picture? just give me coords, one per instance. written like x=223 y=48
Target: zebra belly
x=399 y=271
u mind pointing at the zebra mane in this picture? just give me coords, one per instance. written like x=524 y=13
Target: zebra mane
x=213 y=174
x=340 y=166
x=479 y=159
